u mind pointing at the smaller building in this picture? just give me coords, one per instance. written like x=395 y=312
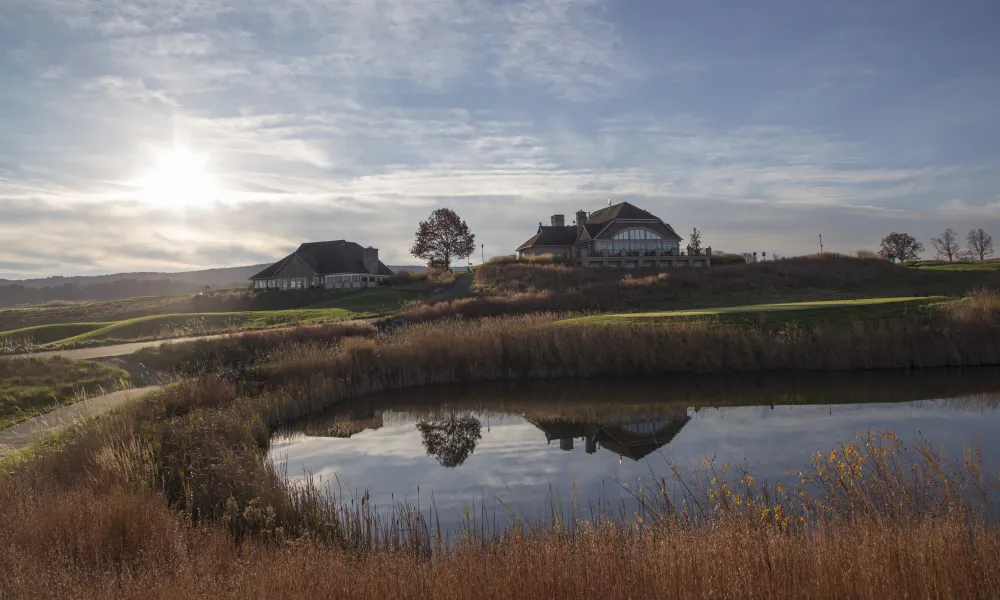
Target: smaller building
x=336 y=265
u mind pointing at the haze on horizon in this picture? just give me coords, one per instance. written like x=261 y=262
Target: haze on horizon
x=186 y=134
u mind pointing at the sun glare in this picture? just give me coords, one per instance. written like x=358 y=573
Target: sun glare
x=178 y=179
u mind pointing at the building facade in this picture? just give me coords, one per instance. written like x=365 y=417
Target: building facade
x=336 y=265
x=621 y=236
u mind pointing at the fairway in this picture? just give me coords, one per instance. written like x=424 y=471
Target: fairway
x=342 y=306
x=823 y=309
x=46 y=334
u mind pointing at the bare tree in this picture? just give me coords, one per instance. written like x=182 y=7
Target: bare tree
x=946 y=245
x=980 y=244
x=900 y=246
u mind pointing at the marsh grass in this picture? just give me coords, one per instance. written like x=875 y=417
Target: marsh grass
x=174 y=494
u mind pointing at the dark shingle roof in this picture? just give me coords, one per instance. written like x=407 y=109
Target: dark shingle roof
x=551 y=236
x=622 y=210
x=338 y=256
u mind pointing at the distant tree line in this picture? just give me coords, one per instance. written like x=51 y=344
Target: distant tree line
x=905 y=247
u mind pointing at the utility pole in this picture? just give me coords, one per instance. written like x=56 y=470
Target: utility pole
x=821 y=243
x=482 y=248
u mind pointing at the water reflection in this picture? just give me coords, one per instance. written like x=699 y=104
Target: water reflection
x=526 y=447
x=451 y=440
x=633 y=437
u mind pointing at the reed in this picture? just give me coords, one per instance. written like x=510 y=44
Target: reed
x=173 y=495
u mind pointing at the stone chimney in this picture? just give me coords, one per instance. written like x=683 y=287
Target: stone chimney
x=369 y=259
x=558 y=220
x=581 y=219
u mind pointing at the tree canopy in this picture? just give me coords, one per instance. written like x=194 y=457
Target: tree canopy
x=900 y=246
x=444 y=236
x=452 y=440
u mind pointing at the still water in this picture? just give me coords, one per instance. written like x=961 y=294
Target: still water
x=522 y=448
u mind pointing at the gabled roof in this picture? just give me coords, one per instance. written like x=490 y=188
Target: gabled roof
x=622 y=210
x=600 y=219
x=549 y=235
x=326 y=258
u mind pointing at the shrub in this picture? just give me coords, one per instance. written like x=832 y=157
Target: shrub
x=727 y=259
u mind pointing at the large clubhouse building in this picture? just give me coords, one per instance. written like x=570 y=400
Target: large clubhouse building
x=621 y=236
x=337 y=265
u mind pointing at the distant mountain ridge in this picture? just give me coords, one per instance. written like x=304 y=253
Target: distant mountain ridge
x=213 y=277
x=119 y=286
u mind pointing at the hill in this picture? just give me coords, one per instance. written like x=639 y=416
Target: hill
x=120 y=286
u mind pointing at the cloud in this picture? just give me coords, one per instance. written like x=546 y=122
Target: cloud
x=354 y=119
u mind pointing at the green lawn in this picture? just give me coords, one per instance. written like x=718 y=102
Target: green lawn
x=974 y=266
x=184 y=325
x=374 y=301
x=31 y=386
x=825 y=310
x=343 y=305
x=46 y=334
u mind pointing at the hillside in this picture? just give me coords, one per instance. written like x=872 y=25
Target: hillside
x=120 y=286
x=511 y=287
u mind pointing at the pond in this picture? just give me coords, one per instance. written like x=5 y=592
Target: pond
x=488 y=452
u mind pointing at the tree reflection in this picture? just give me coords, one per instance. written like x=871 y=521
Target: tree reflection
x=452 y=440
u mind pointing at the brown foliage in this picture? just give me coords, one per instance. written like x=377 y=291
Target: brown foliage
x=173 y=497
x=521 y=288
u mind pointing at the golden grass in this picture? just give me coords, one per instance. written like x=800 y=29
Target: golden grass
x=523 y=287
x=95 y=538
x=173 y=497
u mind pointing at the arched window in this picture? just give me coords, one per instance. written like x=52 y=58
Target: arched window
x=637 y=234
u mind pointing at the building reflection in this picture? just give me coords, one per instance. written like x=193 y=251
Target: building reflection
x=631 y=437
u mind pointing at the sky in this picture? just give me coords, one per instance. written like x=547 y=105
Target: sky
x=168 y=135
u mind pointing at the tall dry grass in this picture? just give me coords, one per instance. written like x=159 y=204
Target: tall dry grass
x=522 y=287
x=87 y=535
x=173 y=496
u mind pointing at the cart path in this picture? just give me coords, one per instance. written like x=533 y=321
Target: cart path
x=22 y=435
x=116 y=350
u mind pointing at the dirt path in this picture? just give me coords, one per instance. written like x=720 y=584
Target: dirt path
x=22 y=435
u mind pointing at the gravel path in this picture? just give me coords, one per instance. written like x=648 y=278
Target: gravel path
x=24 y=434
x=117 y=350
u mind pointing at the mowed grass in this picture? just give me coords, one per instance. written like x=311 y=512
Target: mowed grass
x=349 y=305
x=183 y=325
x=31 y=386
x=976 y=266
x=824 y=310
x=46 y=334
x=375 y=300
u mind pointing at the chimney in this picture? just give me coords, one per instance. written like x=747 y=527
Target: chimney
x=558 y=220
x=369 y=259
x=581 y=219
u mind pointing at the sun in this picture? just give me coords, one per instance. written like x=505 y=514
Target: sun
x=178 y=179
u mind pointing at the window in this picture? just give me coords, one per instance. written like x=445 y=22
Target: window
x=637 y=234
